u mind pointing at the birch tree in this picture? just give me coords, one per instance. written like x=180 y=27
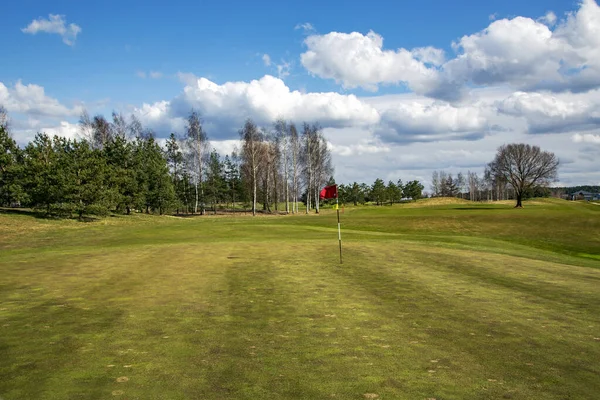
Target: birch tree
x=198 y=144
x=282 y=133
x=295 y=161
x=251 y=155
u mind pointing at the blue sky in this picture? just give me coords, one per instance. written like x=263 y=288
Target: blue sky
x=129 y=53
x=222 y=40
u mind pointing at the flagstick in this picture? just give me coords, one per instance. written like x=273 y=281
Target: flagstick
x=337 y=207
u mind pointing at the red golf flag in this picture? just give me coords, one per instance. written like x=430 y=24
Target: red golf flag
x=329 y=192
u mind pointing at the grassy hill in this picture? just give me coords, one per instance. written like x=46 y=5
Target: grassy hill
x=434 y=301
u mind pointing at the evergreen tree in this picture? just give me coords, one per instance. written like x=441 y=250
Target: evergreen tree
x=215 y=179
x=120 y=175
x=83 y=170
x=175 y=163
x=393 y=192
x=11 y=170
x=42 y=175
x=160 y=195
x=378 y=191
x=413 y=189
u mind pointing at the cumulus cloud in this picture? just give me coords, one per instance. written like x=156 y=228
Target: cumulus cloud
x=554 y=113
x=393 y=119
x=65 y=129
x=31 y=100
x=521 y=52
x=393 y=136
x=264 y=100
x=437 y=117
x=56 y=24
x=354 y=60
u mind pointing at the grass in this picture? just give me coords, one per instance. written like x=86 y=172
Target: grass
x=433 y=301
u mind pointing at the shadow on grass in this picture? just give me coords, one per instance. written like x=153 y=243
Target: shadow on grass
x=42 y=215
x=479 y=208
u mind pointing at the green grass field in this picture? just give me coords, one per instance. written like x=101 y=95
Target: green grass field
x=433 y=301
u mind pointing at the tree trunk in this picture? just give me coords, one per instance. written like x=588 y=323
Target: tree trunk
x=253 y=192
x=196 y=205
x=519 y=196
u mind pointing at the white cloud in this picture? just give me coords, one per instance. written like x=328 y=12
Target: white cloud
x=354 y=59
x=307 y=27
x=548 y=19
x=141 y=74
x=365 y=146
x=264 y=100
x=65 y=129
x=393 y=136
x=56 y=24
x=493 y=17
x=586 y=138
x=429 y=55
x=520 y=52
x=266 y=59
x=283 y=69
x=31 y=100
x=554 y=113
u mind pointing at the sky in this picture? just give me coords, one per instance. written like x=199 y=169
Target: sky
x=401 y=88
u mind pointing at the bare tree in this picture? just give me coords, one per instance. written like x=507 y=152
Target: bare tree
x=251 y=155
x=86 y=128
x=435 y=184
x=4 y=119
x=281 y=132
x=473 y=186
x=134 y=128
x=524 y=167
x=198 y=145
x=307 y=162
x=295 y=159
x=119 y=125
x=322 y=165
x=316 y=163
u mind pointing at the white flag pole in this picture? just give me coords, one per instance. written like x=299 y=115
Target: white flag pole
x=337 y=207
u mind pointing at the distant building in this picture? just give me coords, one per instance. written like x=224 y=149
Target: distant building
x=583 y=195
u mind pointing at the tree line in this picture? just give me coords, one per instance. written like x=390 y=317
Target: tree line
x=518 y=171
x=379 y=192
x=118 y=166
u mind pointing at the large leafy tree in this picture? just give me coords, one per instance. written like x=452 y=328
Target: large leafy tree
x=524 y=167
